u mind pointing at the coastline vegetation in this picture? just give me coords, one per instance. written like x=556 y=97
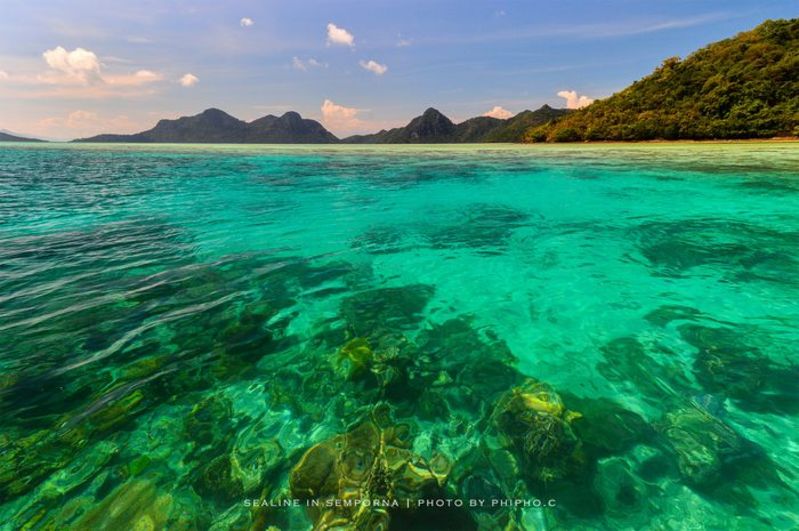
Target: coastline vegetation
x=743 y=87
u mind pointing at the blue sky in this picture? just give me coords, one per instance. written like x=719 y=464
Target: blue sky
x=71 y=68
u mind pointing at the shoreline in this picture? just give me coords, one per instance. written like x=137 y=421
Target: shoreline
x=774 y=140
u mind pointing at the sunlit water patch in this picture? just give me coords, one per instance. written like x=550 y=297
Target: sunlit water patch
x=186 y=329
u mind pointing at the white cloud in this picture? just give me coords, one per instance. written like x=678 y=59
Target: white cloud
x=3 y=75
x=340 y=36
x=573 y=101
x=80 y=73
x=339 y=117
x=189 y=80
x=374 y=67
x=79 y=65
x=246 y=22
x=402 y=43
x=299 y=64
x=499 y=112
x=137 y=79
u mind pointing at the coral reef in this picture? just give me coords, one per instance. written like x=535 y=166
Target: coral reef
x=370 y=469
x=535 y=423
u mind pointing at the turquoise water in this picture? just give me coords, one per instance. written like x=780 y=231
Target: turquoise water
x=611 y=327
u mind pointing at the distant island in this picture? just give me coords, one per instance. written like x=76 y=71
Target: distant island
x=215 y=126
x=744 y=87
x=8 y=137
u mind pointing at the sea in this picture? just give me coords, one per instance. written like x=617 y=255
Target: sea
x=542 y=337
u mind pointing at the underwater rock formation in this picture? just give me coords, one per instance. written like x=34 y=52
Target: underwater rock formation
x=372 y=312
x=26 y=461
x=371 y=469
x=484 y=228
x=627 y=359
x=734 y=250
x=141 y=505
x=606 y=428
x=534 y=422
x=727 y=364
x=488 y=473
x=381 y=240
x=703 y=444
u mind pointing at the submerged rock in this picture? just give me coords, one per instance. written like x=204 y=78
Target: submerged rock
x=371 y=470
x=623 y=493
x=534 y=422
x=140 y=505
x=373 y=312
x=650 y=369
x=487 y=473
x=728 y=365
x=485 y=228
x=381 y=240
x=354 y=357
x=703 y=445
x=606 y=428
x=27 y=461
x=210 y=421
x=665 y=314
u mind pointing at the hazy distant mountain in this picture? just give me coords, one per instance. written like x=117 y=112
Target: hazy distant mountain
x=215 y=126
x=433 y=127
x=7 y=136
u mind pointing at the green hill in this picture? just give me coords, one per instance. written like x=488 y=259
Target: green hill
x=743 y=87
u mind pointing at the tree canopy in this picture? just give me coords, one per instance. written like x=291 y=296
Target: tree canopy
x=743 y=87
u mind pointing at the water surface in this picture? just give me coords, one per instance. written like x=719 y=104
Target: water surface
x=179 y=324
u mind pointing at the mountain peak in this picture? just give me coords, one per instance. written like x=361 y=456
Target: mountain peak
x=213 y=111
x=432 y=111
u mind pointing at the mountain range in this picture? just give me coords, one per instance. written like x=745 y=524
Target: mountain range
x=216 y=126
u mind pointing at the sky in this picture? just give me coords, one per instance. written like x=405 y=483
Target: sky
x=74 y=68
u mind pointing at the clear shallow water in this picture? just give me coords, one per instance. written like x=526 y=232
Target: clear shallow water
x=180 y=324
